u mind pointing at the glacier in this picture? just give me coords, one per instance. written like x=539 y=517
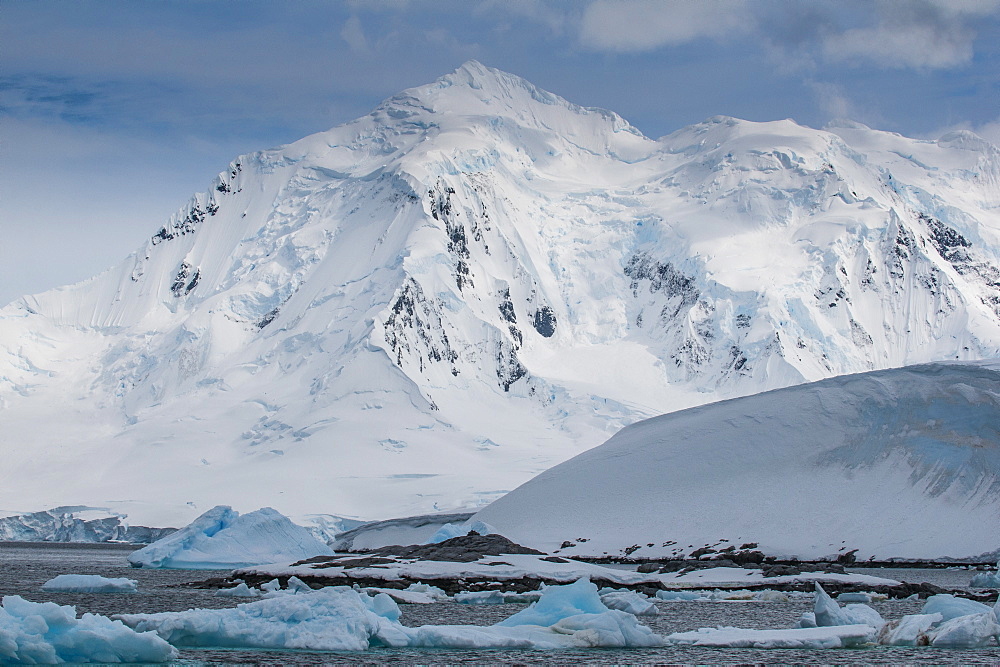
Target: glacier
x=421 y=309
x=222 y=539
x=896 y=464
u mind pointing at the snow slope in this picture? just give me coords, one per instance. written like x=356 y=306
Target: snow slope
x=421 y=309
x=901 y=463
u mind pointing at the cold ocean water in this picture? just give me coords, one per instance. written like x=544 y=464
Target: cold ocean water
x=25 y=567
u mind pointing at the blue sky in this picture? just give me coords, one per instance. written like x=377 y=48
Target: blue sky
x=113 y=113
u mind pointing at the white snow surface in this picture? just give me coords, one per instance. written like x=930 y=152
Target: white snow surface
x=47 y=633
x=507 y=567
x=340 y=618
x=90 y=583
x=421 y=309
x=221 y=539
x=899 y=463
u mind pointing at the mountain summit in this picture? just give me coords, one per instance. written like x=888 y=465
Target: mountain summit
x=424 y=307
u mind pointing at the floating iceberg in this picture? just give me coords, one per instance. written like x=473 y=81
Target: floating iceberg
x=36 y=633
x=947 y=622
x=828 y=613
x=409 y=595
x=838 y=636
x=450 y=530
x=911 y=630
x=241 y=590
x=951 y=607
x=986 y=579
x=222 y=538
x=970 y=631
x=341 y=618
x=480 y=597
x=328 y=619
x=89 y=583
x=628 y=601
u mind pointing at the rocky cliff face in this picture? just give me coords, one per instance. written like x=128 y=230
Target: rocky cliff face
x=420 y=309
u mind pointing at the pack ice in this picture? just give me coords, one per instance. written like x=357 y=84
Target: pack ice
x=222 y=538
x=900 y=463
x=340 y=618
x=421 y=309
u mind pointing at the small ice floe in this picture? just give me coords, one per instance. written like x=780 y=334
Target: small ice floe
x=341 y=618
x=480 y=597
x=89 y=583
x=47 y=633
x=742 y=595
x=498 y=597
x=839 y=636
x=628 y=601
x=863 y=598
x=680 y=596
x=241 y=590
x=418 y=593
x=986 y=579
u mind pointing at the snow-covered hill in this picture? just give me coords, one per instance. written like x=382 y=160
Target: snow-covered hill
x=899 y=463
x=423 y=308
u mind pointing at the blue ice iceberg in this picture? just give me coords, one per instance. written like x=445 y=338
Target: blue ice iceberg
x=951 y=607
x=341 y=618
x=47 y=633
x=986 y=579
x=828 y=613
x=222 y=539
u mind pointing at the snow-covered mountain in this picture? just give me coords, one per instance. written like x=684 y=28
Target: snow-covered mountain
x=421 y=309
x=898 y=463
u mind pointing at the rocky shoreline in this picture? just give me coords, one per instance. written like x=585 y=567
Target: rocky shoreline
x=366 y=569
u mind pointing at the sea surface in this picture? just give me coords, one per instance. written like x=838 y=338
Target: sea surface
x=25 y=567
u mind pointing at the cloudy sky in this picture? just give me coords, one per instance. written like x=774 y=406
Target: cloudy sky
x=112 y=113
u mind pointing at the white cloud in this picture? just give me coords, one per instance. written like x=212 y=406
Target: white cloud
x=644 y=25
x=921 y=34
x=833 y=101
x=354 y=35
x=902 y=46
x=989 y=130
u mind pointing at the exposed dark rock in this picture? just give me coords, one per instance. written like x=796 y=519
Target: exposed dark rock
x=647 y=568
x=463 y=549
x=545 y=321
x=847 y=558
x=664 y=278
